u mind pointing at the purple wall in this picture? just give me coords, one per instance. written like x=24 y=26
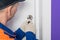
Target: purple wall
x=55 y=20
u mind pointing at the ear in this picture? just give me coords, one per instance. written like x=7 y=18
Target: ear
x=9 y=10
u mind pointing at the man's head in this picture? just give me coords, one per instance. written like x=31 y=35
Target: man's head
x=9 y=7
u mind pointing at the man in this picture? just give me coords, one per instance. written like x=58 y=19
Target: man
x=7 y=11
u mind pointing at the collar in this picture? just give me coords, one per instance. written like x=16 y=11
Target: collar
x=7 y=30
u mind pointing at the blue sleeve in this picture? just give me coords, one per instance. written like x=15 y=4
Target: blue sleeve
x=19 y=34
x=30 y=36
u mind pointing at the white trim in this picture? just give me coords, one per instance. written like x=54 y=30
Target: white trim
x=46 y=19
x=38 y=19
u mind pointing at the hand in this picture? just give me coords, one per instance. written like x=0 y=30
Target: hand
x=28 y=26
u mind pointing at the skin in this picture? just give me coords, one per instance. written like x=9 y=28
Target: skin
x=7 y=13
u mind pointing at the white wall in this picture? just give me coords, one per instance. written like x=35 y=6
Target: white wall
x=25 y=8
x=46 y=19
x=41 y=10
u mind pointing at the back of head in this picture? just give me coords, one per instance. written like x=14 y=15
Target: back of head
x=5 y=3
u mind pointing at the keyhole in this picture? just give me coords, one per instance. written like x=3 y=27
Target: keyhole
x=28 y=22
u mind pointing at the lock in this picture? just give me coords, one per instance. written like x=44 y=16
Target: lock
x=29 y=18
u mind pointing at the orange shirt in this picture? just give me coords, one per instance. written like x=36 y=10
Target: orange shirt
x=4 y=36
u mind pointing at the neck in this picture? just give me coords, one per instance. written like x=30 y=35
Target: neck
x=3 y=18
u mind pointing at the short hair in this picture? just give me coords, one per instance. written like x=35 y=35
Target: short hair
x=5 y=3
